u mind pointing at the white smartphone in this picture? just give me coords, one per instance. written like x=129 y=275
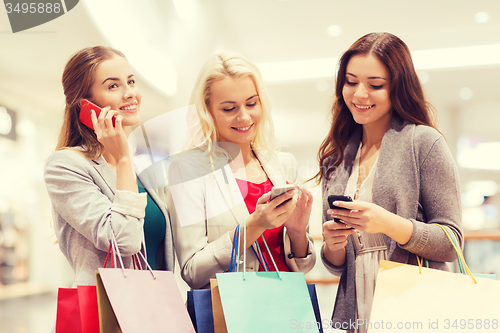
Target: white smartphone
x=279 y=190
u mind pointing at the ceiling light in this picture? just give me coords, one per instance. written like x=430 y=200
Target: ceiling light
x=26 y=128
x=423 y=76
x=6 y=121
x=486 y=188
x=466 y=93
x=297 y=70
x=466 y=56
x=472 y=199
x=481 y=17
x=136 y=41
x=334 y=30
x=186 y=10
x=474 y=154
x=322 y=85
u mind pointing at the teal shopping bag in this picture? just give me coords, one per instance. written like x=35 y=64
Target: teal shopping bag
x=265 y=301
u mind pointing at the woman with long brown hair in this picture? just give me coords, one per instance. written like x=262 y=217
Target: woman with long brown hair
x=384 y=151
x=90 y=178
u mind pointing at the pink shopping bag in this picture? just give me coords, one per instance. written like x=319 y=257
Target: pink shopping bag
x=145 y=300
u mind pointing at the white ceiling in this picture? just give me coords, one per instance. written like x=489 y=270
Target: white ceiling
x=31 y=62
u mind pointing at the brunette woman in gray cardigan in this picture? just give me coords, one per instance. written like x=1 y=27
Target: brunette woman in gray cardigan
x=383 y=150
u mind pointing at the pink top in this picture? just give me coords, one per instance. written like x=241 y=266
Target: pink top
x=274 y=237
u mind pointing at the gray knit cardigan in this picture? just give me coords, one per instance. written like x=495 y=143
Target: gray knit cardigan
x=416 y=179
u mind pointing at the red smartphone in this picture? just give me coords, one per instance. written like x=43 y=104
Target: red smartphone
x=85 y=107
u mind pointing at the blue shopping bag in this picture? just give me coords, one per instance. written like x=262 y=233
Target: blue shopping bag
x=199 y=305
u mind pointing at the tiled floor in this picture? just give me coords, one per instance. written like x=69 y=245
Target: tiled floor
x=29 y=314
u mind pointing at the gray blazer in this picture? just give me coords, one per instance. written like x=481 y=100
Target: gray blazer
x=417 y=179
x=85 y=206
x=204 y=206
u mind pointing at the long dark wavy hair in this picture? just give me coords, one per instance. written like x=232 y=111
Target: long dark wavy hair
x=406 y=94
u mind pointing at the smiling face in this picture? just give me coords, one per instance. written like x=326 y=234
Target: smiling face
x=114 y=85
x=366 y=90
x=236 y=109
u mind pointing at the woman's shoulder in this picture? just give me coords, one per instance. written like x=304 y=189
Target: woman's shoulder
x=425 y=138
x=65 y=154
x=69 y=158
x=424 y=133
x=428 y=140
x=286 y=158
x=191 y=163
x=420 y=135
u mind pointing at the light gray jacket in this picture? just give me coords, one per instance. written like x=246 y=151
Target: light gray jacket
x=416 y=179
x=85 y=205
x=205 y=205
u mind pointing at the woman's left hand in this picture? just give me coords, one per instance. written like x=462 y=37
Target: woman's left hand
x=360 y=215
x=298 y=221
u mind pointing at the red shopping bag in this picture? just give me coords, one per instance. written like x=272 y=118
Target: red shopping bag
x=77 y=310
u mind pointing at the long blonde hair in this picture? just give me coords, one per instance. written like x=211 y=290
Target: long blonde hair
x=202 y=129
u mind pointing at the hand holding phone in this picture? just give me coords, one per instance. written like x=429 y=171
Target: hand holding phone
x=333 y=198
x=85 y=107
x=279 y=190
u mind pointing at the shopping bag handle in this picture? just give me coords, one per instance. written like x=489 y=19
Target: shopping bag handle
x=234 y=266
x=262 y=260
x=236 y=247
x=110 y=250
x=458 y=252
x=116 y=251
x=234 y=256
x=135 y=259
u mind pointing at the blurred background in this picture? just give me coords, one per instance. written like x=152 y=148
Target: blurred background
x=296 y=44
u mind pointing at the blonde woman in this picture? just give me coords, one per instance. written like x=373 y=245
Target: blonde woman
x=225 y=179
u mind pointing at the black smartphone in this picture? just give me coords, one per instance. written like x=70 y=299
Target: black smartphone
x=333 y=198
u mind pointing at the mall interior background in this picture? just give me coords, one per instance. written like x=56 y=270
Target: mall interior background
x=295 y=43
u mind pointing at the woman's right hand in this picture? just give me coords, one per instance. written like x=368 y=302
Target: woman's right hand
x=268 y=215
x=112 y=138
x=335 y=235
x=335 y=238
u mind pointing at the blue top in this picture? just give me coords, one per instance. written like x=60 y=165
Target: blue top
x=154 y=227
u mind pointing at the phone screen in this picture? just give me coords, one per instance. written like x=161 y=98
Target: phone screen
x=279 y=190
x=333 y=198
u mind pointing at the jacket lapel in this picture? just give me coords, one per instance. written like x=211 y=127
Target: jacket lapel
x=230 y=193
x=342 y=173
x=106 y=173
x=271 y=167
